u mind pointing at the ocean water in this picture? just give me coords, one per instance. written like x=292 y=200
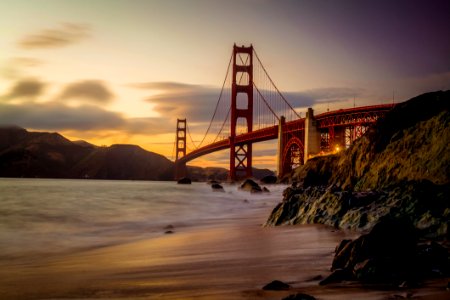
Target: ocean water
x=39 y=216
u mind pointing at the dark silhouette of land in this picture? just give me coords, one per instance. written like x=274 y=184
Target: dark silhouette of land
x=50 y=155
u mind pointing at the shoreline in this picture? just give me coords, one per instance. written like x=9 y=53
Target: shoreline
x=223 y=258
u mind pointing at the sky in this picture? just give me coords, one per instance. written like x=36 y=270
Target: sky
x=121 y=71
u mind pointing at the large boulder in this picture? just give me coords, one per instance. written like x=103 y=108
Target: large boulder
x=389 y=253
x=251 y=186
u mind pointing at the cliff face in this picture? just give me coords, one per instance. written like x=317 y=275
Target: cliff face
x=400 y=167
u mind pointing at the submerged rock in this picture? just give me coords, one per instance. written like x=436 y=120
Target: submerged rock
x=184 y=180
x=276 y=285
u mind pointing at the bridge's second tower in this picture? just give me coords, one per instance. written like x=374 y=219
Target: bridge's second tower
x=180 y=168
x=241 y=112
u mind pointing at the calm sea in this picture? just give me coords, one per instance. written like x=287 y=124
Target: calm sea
x=53 y=215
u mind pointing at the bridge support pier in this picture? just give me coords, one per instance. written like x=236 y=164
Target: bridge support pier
x=280 y=149
x=338 y=143
x=180 y=170
x=312 y=135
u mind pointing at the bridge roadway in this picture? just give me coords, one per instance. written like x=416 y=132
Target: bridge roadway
x=357 y=116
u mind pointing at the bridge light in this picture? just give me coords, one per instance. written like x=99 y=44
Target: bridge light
x=338 y=148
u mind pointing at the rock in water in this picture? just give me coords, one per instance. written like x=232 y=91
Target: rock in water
x=299 y=296
x=217 y=187
x=276 y=285
x=269 y=179
x=251 y=186
x=184 y=180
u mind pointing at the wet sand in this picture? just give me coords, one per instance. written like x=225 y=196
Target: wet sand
x=218 y=259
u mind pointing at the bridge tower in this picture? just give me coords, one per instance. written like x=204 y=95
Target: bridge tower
x=180 y=168
x=241 y=153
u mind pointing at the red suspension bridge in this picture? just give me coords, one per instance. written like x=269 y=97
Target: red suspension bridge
x=259 y=112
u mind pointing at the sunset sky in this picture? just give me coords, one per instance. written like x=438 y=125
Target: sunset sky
x=107 y=71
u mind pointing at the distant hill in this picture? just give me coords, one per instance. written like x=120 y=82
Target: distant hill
x=50 y=155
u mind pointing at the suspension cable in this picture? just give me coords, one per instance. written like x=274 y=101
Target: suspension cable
x=173 y=149
x=229 y=109
x=264 y=99
x=190 y=137
x=265 y=71
x=217 y=104
x=223 y=124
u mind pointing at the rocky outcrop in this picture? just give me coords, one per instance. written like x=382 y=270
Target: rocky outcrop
x=393 y=182
x=423 y=203
x=401 y=168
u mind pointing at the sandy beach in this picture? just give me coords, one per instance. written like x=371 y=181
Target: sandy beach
x=220 y=259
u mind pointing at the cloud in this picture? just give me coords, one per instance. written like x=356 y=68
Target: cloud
x=90 y=90
x=26 y=88
x=310 y=97
x=26 y=61
x=55 y=116
x=65 y=34
x=148 y=125
x=197 y=102
x=179 y=100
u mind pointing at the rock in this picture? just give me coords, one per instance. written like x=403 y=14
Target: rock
x=251 y=186
x=337 y=276
x=433 y=259
x=389 y=238
x=184 y=180
x=276 y=285
x=299 y=296
x=217 y=187
x=169 y=232
x=315 y=278
x=342 y=254
x=269 y=179
x=211 y=182
x=266 y=190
